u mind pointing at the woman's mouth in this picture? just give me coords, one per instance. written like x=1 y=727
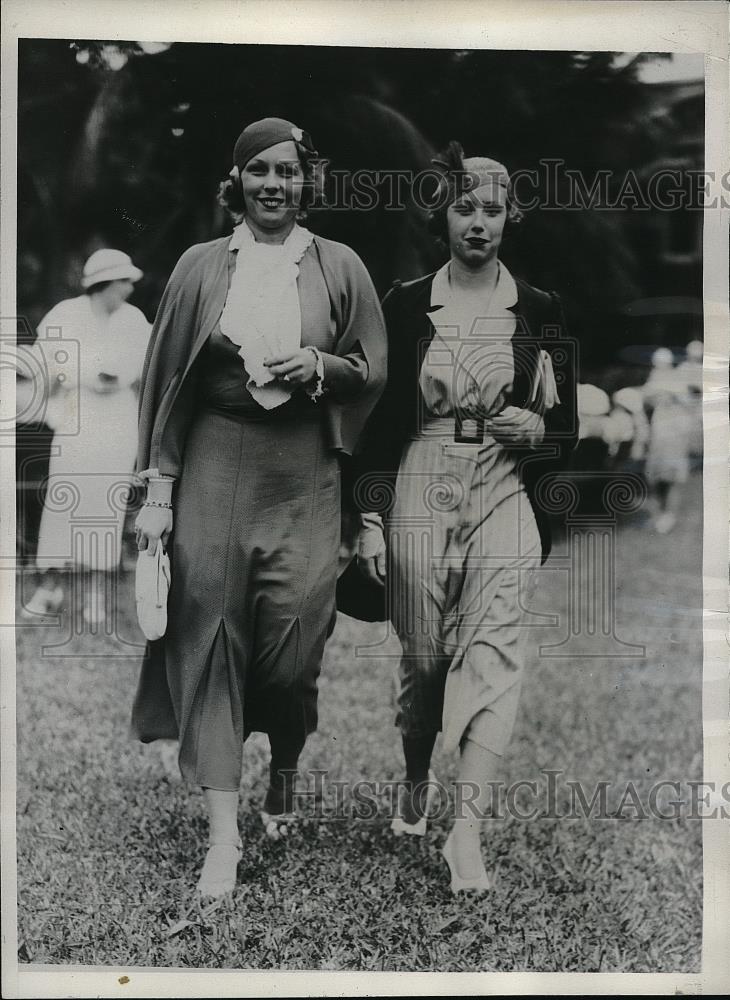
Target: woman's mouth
x=271 y=203
x=476 y=242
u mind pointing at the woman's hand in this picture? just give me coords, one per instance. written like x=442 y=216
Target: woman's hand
x=371 y=549
x=152 y=524
x=296 y=368
x=514 y=426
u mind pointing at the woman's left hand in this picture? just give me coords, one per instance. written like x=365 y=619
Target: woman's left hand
x=514 y=426
x=296 y=368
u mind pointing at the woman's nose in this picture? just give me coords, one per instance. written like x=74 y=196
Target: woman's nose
x=272 y=181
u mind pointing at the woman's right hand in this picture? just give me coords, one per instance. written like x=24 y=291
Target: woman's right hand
x=152 y=524
x=372 y=549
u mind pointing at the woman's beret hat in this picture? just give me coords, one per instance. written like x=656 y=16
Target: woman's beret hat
x=266 y=132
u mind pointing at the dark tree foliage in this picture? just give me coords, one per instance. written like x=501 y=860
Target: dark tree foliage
x=125 y=147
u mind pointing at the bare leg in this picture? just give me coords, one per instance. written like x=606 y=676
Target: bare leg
x=668 y=495
x=95 y=599
x=218 y=876
x=477 y=767
x=674 y=497
x=223 y=816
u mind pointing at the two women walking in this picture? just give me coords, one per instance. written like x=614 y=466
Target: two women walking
x=265 y=368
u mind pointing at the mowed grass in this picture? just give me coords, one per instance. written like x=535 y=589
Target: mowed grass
x=109 y=843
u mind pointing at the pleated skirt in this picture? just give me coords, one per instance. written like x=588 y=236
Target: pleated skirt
x=254 y=558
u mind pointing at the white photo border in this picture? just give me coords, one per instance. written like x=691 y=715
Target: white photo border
x=606 y=25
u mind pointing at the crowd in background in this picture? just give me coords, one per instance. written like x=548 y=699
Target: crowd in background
x=653 y=430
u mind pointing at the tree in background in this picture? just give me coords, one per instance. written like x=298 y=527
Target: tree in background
x=124 y=144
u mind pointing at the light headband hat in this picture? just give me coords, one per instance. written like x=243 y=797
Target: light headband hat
x=462 y=174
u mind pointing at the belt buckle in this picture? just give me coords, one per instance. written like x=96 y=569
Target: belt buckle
x=469 y=430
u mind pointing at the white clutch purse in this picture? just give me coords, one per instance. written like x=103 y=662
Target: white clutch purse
x=151 y=587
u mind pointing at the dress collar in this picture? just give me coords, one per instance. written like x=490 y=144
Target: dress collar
x=293 y=246
x=504 y=295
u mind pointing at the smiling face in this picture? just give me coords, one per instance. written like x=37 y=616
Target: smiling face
x=272 y=188
x=475 y=223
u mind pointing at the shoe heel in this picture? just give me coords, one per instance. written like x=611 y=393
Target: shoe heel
x=479 y=884
x=399 y=826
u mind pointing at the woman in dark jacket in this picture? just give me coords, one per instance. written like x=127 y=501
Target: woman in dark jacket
x=267 y=356
x=479 y=405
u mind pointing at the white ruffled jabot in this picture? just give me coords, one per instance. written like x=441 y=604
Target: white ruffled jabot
x=262 y=314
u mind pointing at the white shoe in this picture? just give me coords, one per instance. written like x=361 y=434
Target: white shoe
x=277 y=825
x=418 y=829
x=218 y=875
x=458 y=884
x=43 y=602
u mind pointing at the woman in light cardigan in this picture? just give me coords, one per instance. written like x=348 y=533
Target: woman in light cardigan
x=267 y=355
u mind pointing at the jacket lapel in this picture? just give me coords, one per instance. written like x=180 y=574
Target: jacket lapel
x=525 y=344
x=210 y=297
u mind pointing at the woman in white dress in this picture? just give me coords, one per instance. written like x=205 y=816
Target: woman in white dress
x=90 y=352
x=667 y=400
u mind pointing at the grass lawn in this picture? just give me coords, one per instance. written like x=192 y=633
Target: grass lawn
x=109 y=843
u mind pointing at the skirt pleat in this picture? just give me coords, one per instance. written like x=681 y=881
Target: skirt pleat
x=252 y=601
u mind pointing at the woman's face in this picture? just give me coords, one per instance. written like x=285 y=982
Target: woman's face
x=272 y=186
x=475 y=223
x=116 y=293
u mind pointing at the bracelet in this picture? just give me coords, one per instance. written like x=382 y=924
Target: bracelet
x=318 y=388
x=157 y=503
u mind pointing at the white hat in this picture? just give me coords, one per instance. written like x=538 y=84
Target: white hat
x=592 y=401
x=629 y=398
x=108 y=265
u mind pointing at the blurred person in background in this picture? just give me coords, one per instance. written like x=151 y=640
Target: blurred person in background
x=627 y=429
x=91 y=405
x=668 y=403
x=594 y=406
x=268 y=354
x=473 y=414
x=690 y=370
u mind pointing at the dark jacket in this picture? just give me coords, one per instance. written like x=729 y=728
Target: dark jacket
x=396 y=418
